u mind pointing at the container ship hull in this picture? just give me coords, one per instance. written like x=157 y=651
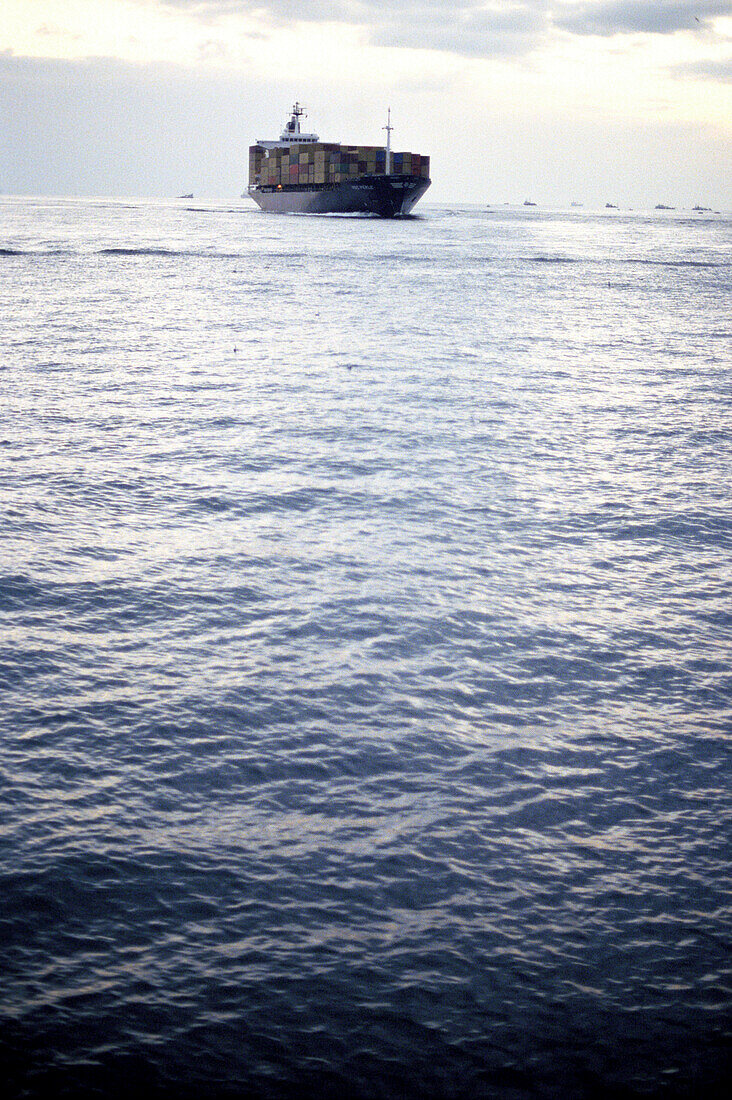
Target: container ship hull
x=384 y=196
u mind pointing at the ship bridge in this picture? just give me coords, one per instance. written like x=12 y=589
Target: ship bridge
x=291 y=135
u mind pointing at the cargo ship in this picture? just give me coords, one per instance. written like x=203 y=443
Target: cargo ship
x=299 y=174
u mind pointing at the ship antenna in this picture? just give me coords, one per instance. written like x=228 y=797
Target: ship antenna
x=388 y=129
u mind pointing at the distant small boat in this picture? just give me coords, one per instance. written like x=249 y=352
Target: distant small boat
x=702 y=209
x=610 y=206
x=527 y=203
x=576 y=204
x=190 y=196
x=660 y=206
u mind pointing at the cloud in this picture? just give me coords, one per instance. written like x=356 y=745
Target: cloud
x=480 y=29
x=51 y=30
x=465 y=29
x=211 y=50
x=637 y=16
x=712 y=70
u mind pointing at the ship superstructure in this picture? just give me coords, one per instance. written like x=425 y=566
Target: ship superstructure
x=300 y=174
x=291 y=134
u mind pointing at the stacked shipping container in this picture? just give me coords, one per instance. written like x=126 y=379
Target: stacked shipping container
x=321 y=163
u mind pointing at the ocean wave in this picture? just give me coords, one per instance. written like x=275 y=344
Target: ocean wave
x=554 y=260
x=155 y=250
x=36 y=252
x=148 y=250
x=680 y=262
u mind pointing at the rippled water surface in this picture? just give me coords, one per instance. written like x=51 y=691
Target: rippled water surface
x=365 y=621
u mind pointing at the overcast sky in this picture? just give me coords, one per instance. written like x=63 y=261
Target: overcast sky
x=624 y=101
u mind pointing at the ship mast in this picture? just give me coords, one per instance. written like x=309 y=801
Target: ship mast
x=388 y=129
x=297 y=113
x=292 y=128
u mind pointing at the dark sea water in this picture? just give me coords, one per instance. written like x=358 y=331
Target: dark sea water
x=365 y=653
